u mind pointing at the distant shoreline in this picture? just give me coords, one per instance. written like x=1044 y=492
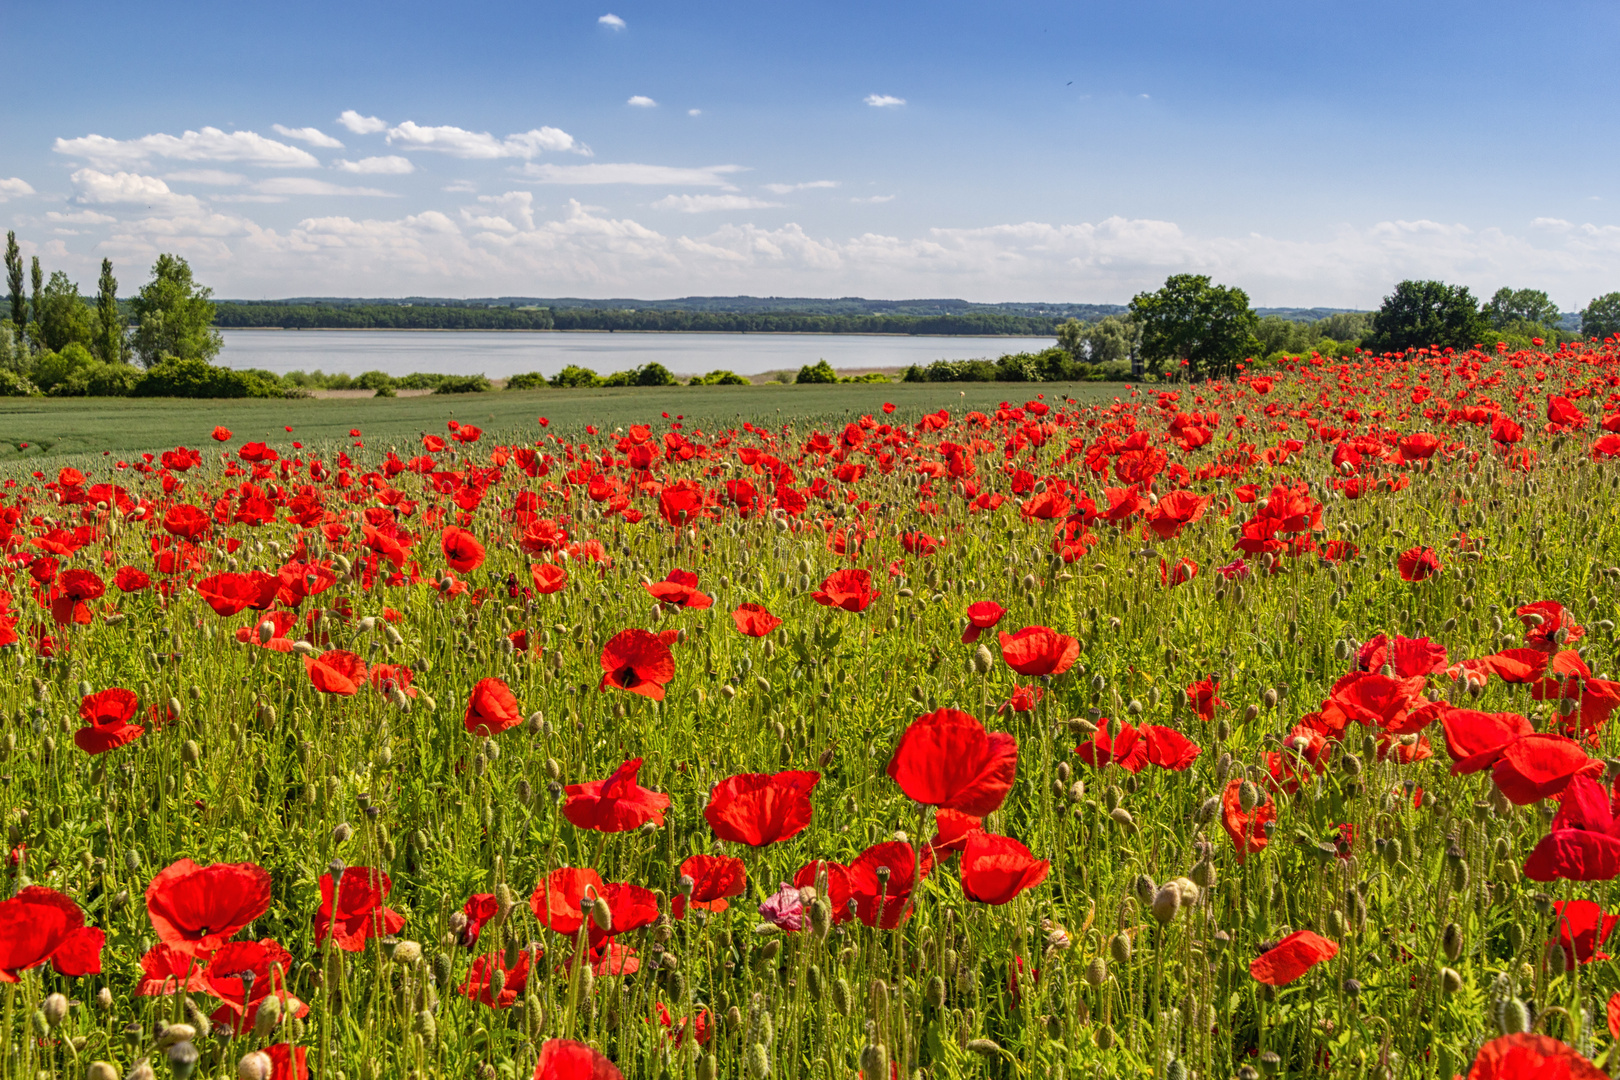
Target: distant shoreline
x=730 y=333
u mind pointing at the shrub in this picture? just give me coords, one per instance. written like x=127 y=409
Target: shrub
x=374 y=380
x=720 y=378
x=574 y=377
x=419 y=380
x=52 y=368
x=618 y=378
x=819 y=372
x=199 y=379
x=529 y=380
x=869 y=377
x=16 y=384
x=463 y=384
x=654 y=374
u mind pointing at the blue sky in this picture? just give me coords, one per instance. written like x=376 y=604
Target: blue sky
x=1313 y=153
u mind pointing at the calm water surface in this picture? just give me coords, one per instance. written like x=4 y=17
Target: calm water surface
x=498 y=355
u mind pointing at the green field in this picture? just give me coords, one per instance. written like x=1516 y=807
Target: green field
x=55 y=428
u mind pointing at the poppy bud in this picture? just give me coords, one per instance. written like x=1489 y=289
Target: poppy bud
x=1166 y=902
x=104 y=999
x=1098 y=684
x=1203 y=874
x=1122 y=817
x=54 y=1008
x=875 y=1062
x=1248 y=796
x=843 y=998
x=601 y=914
x=820 y=919
x=1251 y=713
x=1450 y=981
x=341 y=834
x=426 y=1025
x=1119 y=947
x=1512 y=1015
x=1223 y=769
x=1097 y=971
x=103 y=1070
x=1105 y=1037
x=254 y=1066
x=1451 y=941
x=1270 y=1063
x=1556 y=961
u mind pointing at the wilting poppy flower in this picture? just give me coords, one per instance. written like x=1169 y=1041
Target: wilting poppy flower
x=714 y=877
x=1476 y=739
x=982 y=616
x=1531 y=1057
x=564 y=1059
x=1039 y=650
x=491 y=708
x=617 y=804
x=1292 y=957
x=1583 y=843
x=548 y=578
x=40 y=924
x=1247 y=828
x=1168 y=748
x=480 y=983
x=879 y=901
x=1536 y=767
x=702 y=1025
x=995 y=869
x=784 y=909
x=478 y=910
x=1123 y=747
x=1418 y=564
x=555 y=901
x=353 y=911
x=759 y=808
x=754 y=620
x=850 y=589
x=107 y=715
x=461 y=550
x=1204 y=697
x=679 y=589
x=837 y=892
x=196 y=909
x=637 y=661
x=947 y=759
x=1582 y=930
x=336 y=672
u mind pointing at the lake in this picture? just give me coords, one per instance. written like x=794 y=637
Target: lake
x=498 y=355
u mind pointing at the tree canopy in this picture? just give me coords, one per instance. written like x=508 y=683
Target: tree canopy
x=1511 y=306
x=1211 y=327
x=174 y=315
x=1601 y=318
x=1423 y=313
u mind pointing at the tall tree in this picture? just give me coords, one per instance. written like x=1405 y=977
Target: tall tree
x=1211 y=327
x=1422 y=313
x=14 y=280
x=64 y=318
x=1510 y=306
x=37 y=279
x=110 y=343
x=1601 y=318
x=174 y=316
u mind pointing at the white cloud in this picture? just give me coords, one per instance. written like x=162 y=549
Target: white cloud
x=248 y=198
x=13 y=188
x=694 y=112
x=872 y=199
x=79 y=217
x=612 y=21
x=631 y=173
x=464 y=186
x=884 y=101
x=313 y=136
x=700 y=204
x=209 y=144
x=783 y=189
x=211 y=177
x=304 y=185
x=99 y=188
x=361 y=125
x=459 y=142
x=642 y=101
x=516 y=209
x=390 y=165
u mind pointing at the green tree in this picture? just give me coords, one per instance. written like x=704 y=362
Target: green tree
x=14 y=281
x=574 y=377
x=1601 y=318
x=110 y=343
x=174 y=316
x=63 y=317
x=1510 y=306
x=654 y=374
x=819 y=372
x=1422 y=313
x=1211 y=327
x=37 y=280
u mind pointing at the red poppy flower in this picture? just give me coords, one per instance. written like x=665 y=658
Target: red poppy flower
x=952 y=829
x=242 y=974
x=548 y=578
x=1536 y=767
x=1204 y=697
x=229 y=594
x=1583 y=843
x=617 y=804
x=555 y=901
x=1409 y=657
x=196 y=909
x=632 y=906
x=491 y=708
x=1175 y=511
x=222 y=434
x=1124 y=747
x=679 y=589
x=129 y=579
x=702 y=1025
x=185 y=521
x=1582 y=930
x=1023 y=699
x=277 y=624
x=40 y=924
x=754 y=620
x=995 y=869
x=1039 y=650
x=982 y=615
x=1292 y=957
x=1476 y=739
x=850 y=589
x=1182 y=572
x=356 y=911
x=1418 y=564
x=165 y=970
x=1168 y=748
x=838 y=891
x=480 y=983
x=479 y=909
x=564 y=1059
x=714 y=877
x=1544 y=620
x=461 y=550
x=1246 y=828
x=107 y=715
x=639 y=662
x=390 y=677
x=1531 y=1057
x=947 y=759
x=883 y=902
x=759 y=808
x=336 y=672
x=1380 y=701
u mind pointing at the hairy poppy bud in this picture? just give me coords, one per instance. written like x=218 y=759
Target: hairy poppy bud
x=1105 y=1037
x=342 y=833
x=255 y=1066
x=820 y=918
x=843 y=998
x=874 y=1062
x=601 y=914
x=54 y=1008
x=1451 y=941
x=1119 y=947
x=105 y=1070
x=1512 y=1016
x=1450 y=981
x=1144 y=888
x=1248 y=796
x=1097 y=971
x=1166 y=902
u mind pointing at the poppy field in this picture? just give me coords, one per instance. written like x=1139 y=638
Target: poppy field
x=1246 y=728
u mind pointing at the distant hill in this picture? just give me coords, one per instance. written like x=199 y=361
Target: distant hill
x=738 y=305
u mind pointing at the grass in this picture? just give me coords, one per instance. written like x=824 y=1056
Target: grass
x=54 y=428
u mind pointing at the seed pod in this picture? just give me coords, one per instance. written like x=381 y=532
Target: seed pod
x=183 y=1059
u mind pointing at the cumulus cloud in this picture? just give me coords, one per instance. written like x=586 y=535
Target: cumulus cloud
x=783 y=189
x=361 y=125
x=631 y=173
x=389 y=165
x=304 y=185
x=884 y=101
x=642 y=101
x=14 y=187
x=699 y=204
x=209 y=144
x=211 y=177
x=313 y=136
x=99 y=188
x=612 y=21
x=461 y=143
x=513 y=210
